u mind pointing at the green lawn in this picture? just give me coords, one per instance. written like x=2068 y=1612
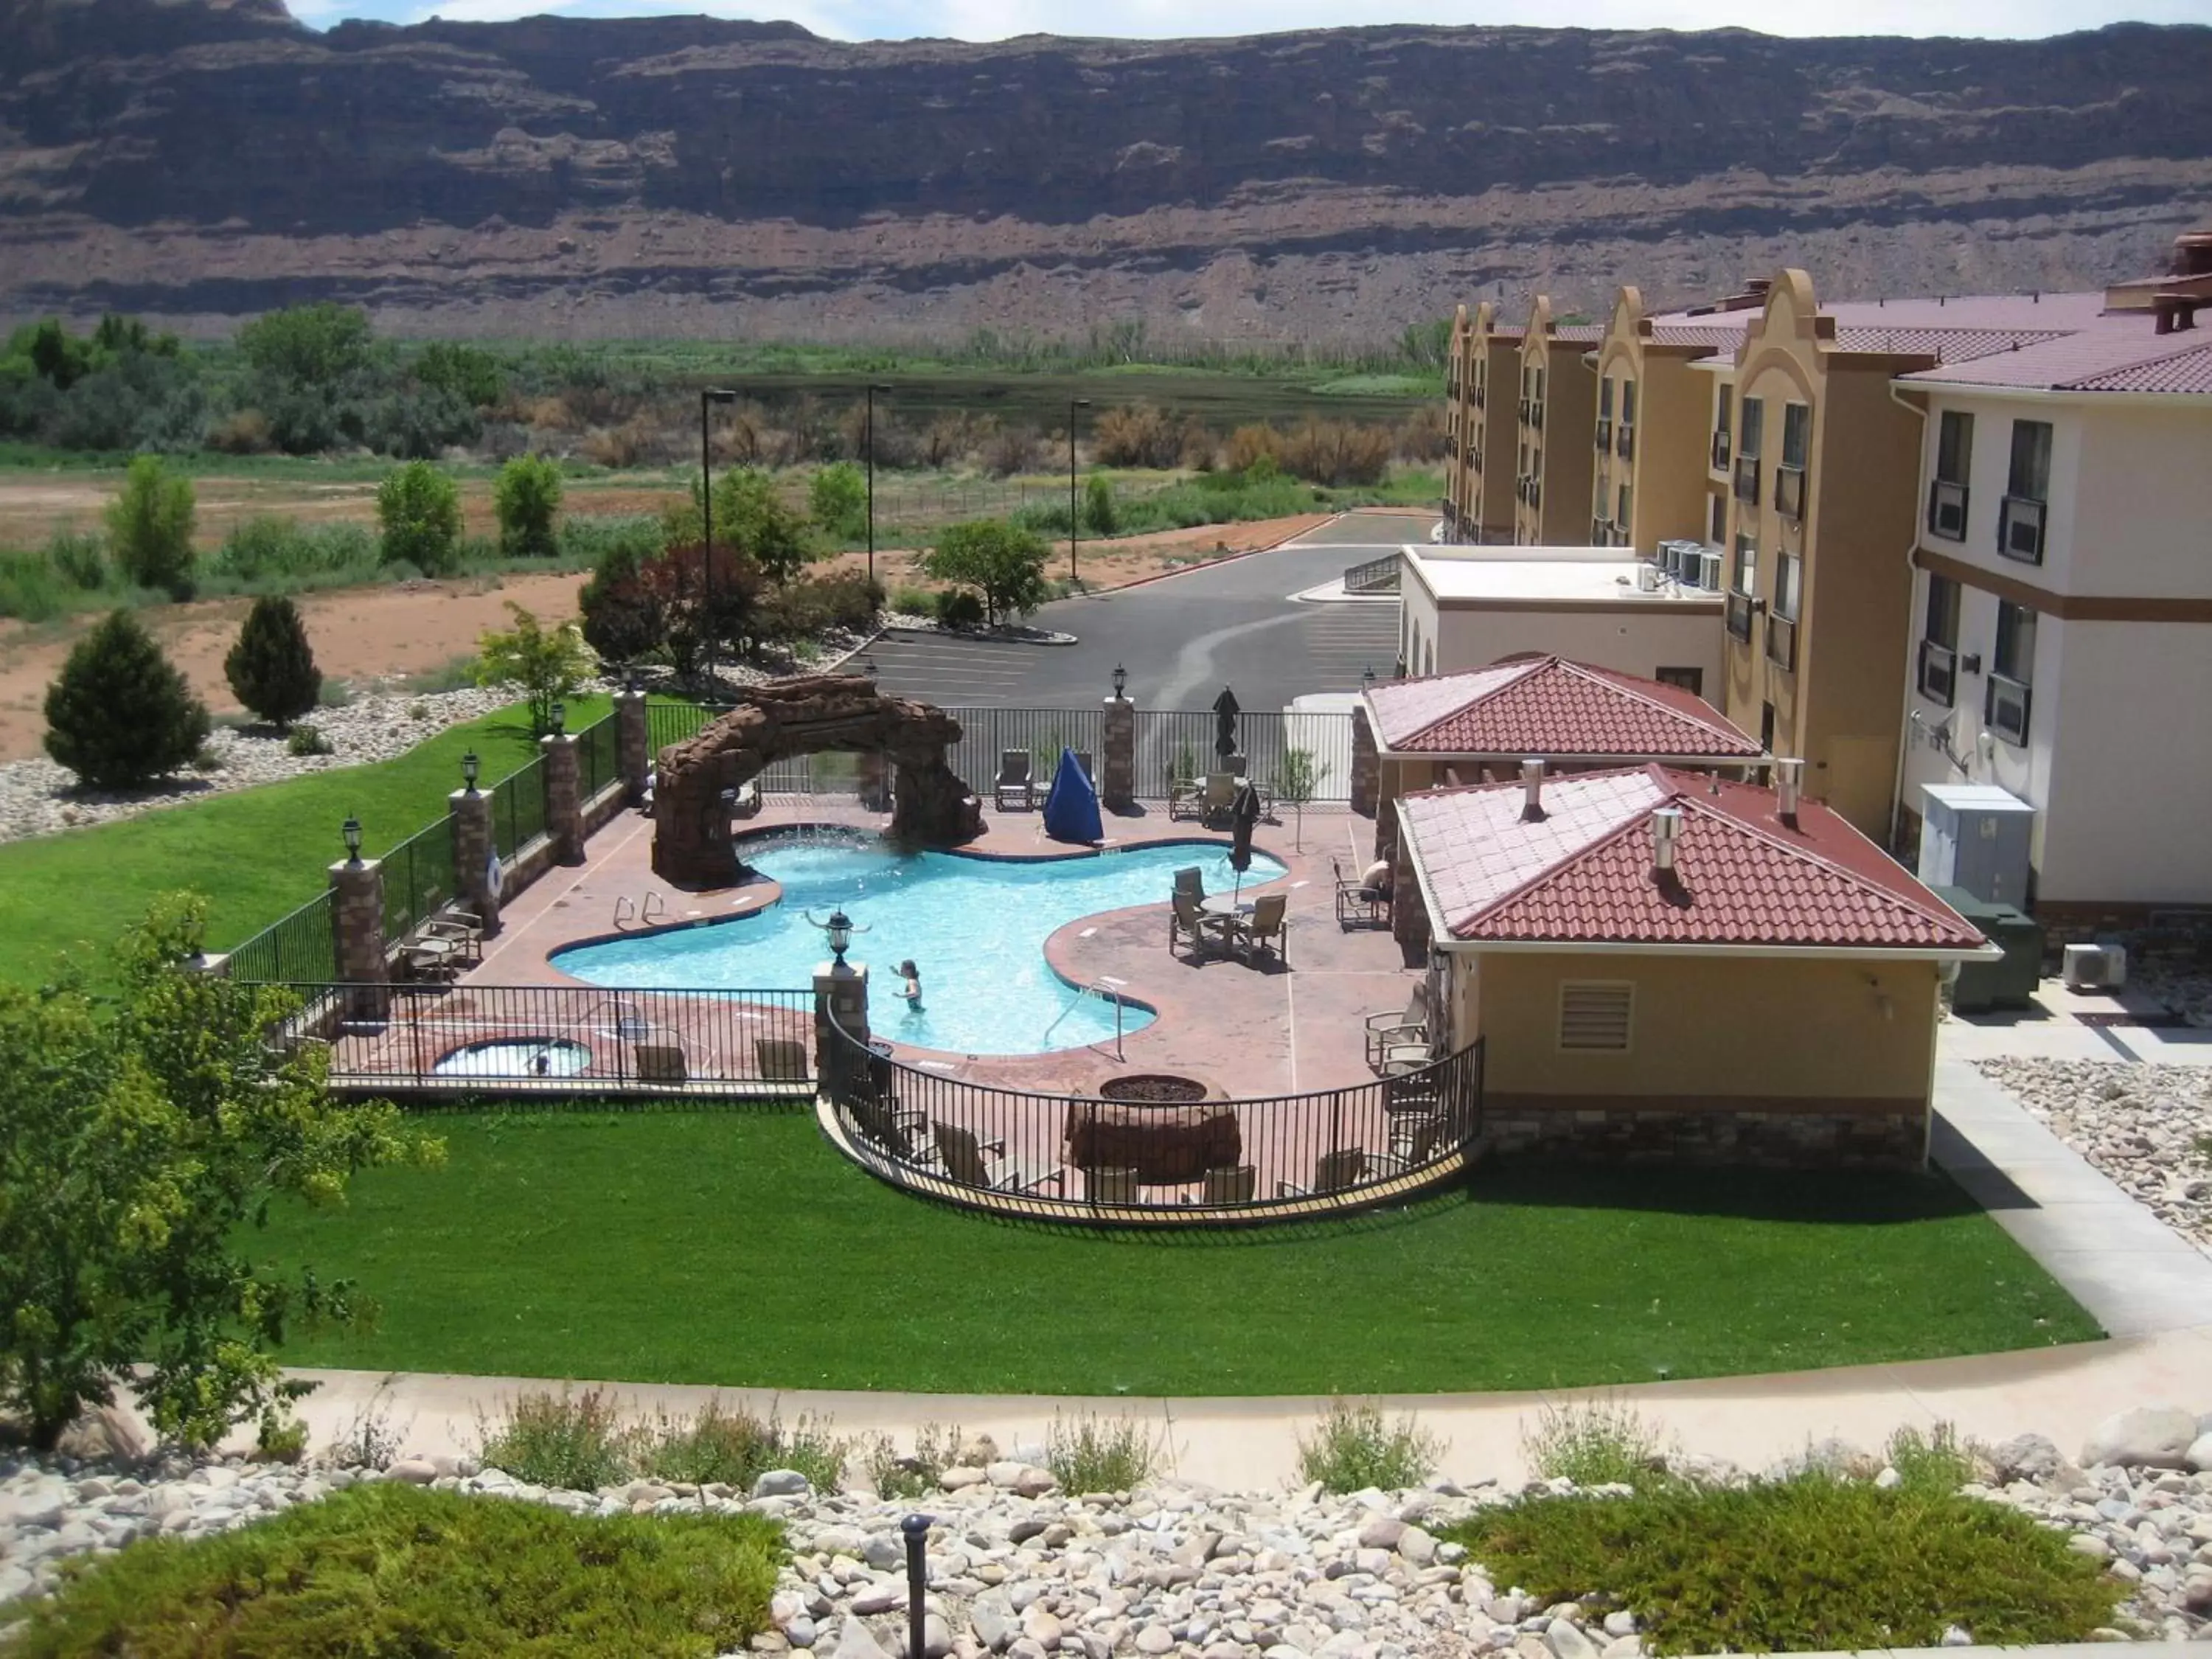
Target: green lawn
x=737 y=1248
x=256 y=853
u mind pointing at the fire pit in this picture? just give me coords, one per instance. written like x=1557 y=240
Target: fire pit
x=1153 y=1088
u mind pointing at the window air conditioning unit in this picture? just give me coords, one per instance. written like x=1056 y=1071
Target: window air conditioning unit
x=2095 y=966
x=1709 y=568
x=1649 y=578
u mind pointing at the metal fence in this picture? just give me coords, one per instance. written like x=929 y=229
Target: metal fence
x=517 y=808
x=581 y=1041
x=418 y=879
x=302 y=946
x=1087 y=1159
x=598 y=756
x=1170 y=744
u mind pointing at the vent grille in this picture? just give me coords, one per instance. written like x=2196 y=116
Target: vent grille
x=1595 y=1015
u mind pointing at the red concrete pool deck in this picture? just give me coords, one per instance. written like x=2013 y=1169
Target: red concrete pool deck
x=1247 y=1029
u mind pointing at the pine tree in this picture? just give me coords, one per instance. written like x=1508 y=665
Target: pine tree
x=120 y=715
x=272 y=669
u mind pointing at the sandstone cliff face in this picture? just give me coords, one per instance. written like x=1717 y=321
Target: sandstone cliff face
x=191 y=157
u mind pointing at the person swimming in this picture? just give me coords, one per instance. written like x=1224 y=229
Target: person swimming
x=910 y=987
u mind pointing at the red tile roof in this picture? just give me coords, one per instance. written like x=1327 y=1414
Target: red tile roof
x=2121 y=354
x=1583 y=872
x=1553 y=706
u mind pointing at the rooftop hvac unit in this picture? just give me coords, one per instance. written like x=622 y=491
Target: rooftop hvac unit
x=1679 y=559
x=1976 y=836
x=2095 y=966
x=1649 y=578
x=1709 y=568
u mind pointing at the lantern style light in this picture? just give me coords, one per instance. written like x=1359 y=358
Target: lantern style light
x=1121 y=681
x=1367 y=677
x=840 y=930
x=559 y=718
x=351 y=830
x=470 y=767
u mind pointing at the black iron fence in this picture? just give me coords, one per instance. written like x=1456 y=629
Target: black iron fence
x=598 y=756
x=418 y=879
x=301 y=947
x=517 y=808
x=1157 y=1160
x=435 y=1039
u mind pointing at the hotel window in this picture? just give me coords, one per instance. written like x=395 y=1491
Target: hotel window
x=2005 y=707
x=1624 y=445
x=2027 y=491
x=1946 y=494
x=1620 y=514
x=1782 y=613
x=1796 y=445
x=1723 y=403
x=1753 y=424
x=1605 y=413
x=1743 y=577
x=1717 y=522
x=1939 y=641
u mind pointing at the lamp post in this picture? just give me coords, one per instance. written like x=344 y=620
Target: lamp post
x=708 y=395
x=351 y=830
x=470 y=767
x=1073 y=403
x=560 y=719
x=1121 y=681
x=871 y=446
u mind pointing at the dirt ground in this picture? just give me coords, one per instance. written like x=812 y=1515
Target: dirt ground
x=366 y=633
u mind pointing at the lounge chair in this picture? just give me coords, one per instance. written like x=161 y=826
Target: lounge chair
x=1233 y=1183
x=457 y=927
x=1414 y=1142
x=1400 y=1041
x=1357 y=905
x=1191 y=879
x=1220 y=797
x=660 y=1062
x=1188 y=923
x=1186 y=798
x=1334 y=1172
x=899 y=1130
x=1015 y=786
x=1268 y=922
x=962 y=1154
x=783 y=1059
x=1110 y=1184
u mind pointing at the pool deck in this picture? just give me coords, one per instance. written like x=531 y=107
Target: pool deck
x=1246 y=1029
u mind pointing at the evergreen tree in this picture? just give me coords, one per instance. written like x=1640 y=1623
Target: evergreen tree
x=271 y=668
x=119 y=714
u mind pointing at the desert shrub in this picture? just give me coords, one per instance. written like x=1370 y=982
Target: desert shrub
x=420 y=513
x=736 y=1448
x=387 y=1568
x=119 y=714
x=1355 y=1447
x=1011 y=448
x=587 y=539
x=564 y=1439
x=526 y=499
x=837 y=500
x=936 y=1448
x=1421 y=434
x=1249 y=445
x=467 y=373
x=80 y=558
x=31 y=589
x=1088 y=1455
x=369 y=1441
x=1337 y=452
x=271 y=668
x=949 y=439
x=1937 y=1461
x=909 y=601
x=956 y=607
x=1137 y=435
x=149 y=526
x=1101 y=514
x=242 y=432
x=417 y=423
x=280 y=550
x=304 y=740
x=619 y=446
x=1814 y=1562
x=280 y=1440
x=1593 y=1442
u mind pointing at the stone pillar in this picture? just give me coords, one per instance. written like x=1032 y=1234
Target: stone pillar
x=357 y=930
x=1366 y=766
x=843 y=988
x=214 y=965
x=564 y=799
x=633 y=744
x=1409 y=915
x=1117 y=770
x=470 y=812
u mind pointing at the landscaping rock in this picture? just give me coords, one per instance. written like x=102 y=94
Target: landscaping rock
x=1564 y=1639
x=854 y=1642
x=781 y=1483
x=2199 y=1455
x=415 y=1471
x=2026 y=1458
x=2157 y=1436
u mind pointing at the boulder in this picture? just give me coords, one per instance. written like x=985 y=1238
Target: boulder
x=2149 y=1437
x=2026 y=1458
x=106 y=1434
x=1564 y=1639
x=854 y=1641
x=2199 y=1455
x=781 y=1483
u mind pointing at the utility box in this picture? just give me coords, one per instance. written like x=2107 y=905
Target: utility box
x=2009 y=983
x=1975 y=836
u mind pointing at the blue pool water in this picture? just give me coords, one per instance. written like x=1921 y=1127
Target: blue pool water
x=976 y=928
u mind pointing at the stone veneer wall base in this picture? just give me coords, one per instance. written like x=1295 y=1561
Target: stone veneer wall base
x=1829 y=1133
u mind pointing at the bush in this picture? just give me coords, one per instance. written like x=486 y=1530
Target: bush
x=420 y=512
x=120 y=716
x=550 y=665
x=1101 y=514
x=958 y=608
x=1087 y=1455
x=736 y=1448
x=1011 y=449
x=149 y=526
x=526 y=497
x=588 y=539
x=245 y=432
x=1812 y=1563
x=1934 y=1462
x=575 y=1441
x=909 y=601
x=1354 y=1448
x=272 y=669
x=936 y=1448
x=1137 y=435
x=1003 y=561
x=308 y=740
x=814 y=606
x=1593 y=1443
x=282 y=550
x=30 y=588
x=1338 y=453
x=387 y=1568
x=80 y=558
x=838 y=498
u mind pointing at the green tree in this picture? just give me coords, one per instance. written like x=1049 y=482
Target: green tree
x=1101 y=514
x=419 y=513
x=467 y=373
x=138 y=1151
x=149 y=527
x=837 y=497
x=527 y=499
x=752 y=519
x=120 y=715
x=1002 y=562
x=316 y=345
x=1297 y=781
x=271 y=668
x=550 y=665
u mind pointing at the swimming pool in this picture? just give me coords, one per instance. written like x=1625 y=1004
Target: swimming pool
x=976 y=928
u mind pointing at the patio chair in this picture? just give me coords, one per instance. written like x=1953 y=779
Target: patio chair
x=1269 y=922
x=962 y=1154
x=1220 y=797
x=901 y=1130
x=430 y=959
x=1413 y=1144
x=459 y=927
x=1334 y=1172
x=1356 y=903
x=1111 y=1184
x=1188 y=923
x=1400 y=1040
x=1191 y=879
x=1233 y=1183
x=1014 y=786
x=1186 y=798
x=660 y=1062
x=783 y=1059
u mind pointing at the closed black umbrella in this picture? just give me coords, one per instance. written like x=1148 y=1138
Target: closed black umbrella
x=1226 y=711
x=1244 y=815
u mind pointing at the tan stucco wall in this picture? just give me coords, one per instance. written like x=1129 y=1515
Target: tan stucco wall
x=1713 y=1027
x=1666 y=476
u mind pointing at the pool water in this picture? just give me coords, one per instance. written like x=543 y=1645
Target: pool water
x=976 y=928
x=515 y=1057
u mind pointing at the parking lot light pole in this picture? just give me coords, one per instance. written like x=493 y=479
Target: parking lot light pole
x=1073 y=403
x=708 y=395
x=869 y=442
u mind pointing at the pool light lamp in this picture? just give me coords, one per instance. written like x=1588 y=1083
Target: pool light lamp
x=1121 y=681
x=839 y=927
x=351 y=830
x=470 y=767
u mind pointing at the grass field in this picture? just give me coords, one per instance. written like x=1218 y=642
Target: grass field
x=738 y=1250
x=256 y=853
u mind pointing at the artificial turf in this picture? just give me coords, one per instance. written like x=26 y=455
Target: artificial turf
x=737 y=1248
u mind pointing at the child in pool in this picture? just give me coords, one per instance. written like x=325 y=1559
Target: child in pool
x=911 y=988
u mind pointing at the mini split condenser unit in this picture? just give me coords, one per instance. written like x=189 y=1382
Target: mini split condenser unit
x=2095 y=966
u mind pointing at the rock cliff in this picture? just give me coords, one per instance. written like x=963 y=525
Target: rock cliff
x=202 y=158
